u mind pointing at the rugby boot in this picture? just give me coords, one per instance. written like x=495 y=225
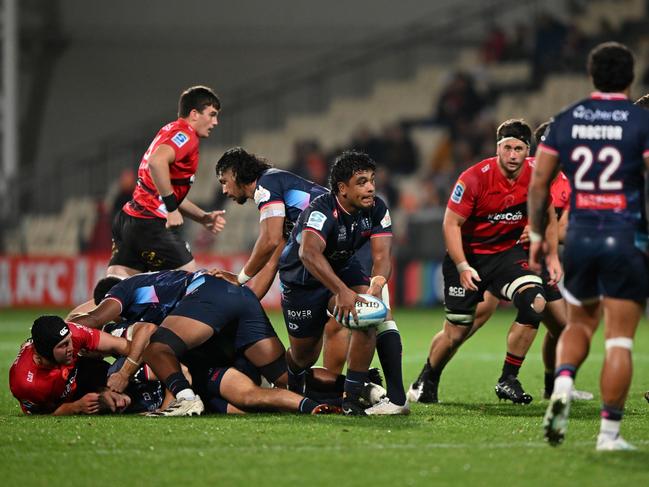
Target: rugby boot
x=510 y=389
x=576 y=395
x=555 y=420
x=374 y=376
x=327 y=409
x=387 y=408
x=371 y=394
x=606 y=443
x=353 y=407
x=181 y=407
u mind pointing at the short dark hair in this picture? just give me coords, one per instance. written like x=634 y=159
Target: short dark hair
x=610 y=64
x=103 y=286
x=514 y=127
x=346 y=165
x=643 y=101
x=246 y=167
x=197 y=98
x=539 y=131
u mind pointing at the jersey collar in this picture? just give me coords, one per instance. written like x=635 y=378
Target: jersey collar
x=598 y=95
x=185 y=123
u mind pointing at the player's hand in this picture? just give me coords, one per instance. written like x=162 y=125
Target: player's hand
x=231 y=277
x=345 y=306
x=214 y=221
x=174 y=219
x=89 y=403
x=114 y=402
x=469 y=279
x=525 y=236
x=376 y=286
x=536 y=255
x=553 y=265
x=118 y=381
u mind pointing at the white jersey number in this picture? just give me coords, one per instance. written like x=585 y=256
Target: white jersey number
x=610 y=156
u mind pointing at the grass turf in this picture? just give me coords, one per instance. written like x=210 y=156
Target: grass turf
x=469 y=438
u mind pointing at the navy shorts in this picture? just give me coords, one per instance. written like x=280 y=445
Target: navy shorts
x=497 y=272
x=603 y=264
x=219 y=304
x=146 y=245
x=305 y=308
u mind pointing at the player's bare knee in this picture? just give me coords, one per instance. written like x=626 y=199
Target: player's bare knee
x=455 y=334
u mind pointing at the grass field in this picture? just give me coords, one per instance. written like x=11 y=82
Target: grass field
x=468 y=439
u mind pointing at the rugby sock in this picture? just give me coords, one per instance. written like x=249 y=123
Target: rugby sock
x=307 y=405
x=296 y=380
x=434 y=373
x=564 y=379
x=354 y=384
x=548 y=380
x=511 y=366
x=611 y=420
x=177 y=384
x=388 y=346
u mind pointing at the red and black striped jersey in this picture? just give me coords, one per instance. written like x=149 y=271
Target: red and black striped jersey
x=495 y=207
x=146 y=201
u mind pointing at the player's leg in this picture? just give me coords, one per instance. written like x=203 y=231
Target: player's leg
x=361 y=351
x=336 y=344
x=554 y=319
x=621 y=319
x=460 y=316
x=124 y=260
x=239 y=390
x=175 y=336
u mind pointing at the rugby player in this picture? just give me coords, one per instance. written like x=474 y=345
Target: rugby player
x=483 y=224
x=425 y=387
x=146 y=231
x=602 y=143
x=319 y=272
x=50 y=377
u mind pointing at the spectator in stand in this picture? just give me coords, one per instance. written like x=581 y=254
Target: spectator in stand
x=363 y=140
x=494 y=45
x=310 y=162
x=399 y=154
x=459 y=102
x=122 y=192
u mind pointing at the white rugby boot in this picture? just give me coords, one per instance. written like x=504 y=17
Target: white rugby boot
x=387 y=408
x=555 y=421
x=181 y=407
x=606 y=443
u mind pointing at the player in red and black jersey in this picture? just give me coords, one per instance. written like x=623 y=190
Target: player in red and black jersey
x=49 y=376
x=483 y=225
x=146 y=232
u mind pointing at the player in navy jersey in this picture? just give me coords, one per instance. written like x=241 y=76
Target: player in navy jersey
x=319 y=272
x=280 y=197
x=602 y=144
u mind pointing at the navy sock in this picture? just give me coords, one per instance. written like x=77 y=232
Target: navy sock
x=388 y=347
x=354 y=384
x=611 y=413
x=176 y=382
x=511 y=366
x=566 y=370
x=433 y=373
x=307 y=405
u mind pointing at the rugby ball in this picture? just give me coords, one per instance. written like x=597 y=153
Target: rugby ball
x=372 y=313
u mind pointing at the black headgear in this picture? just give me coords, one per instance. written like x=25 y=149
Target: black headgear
x=47 y=332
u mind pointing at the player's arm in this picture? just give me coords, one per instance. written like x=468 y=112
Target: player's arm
x=311 y=255
x=142 y=332
x=563 y=225
x=112 y=345
x=452 y=228
x=381 y=248
x=551 y=246
x=270 y=238
x=212 y=220
x=545 y=169
x=262 y=281
x=105 y=312
x=88 y=404
x=159 y=161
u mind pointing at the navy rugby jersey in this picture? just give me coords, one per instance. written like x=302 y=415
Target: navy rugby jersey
x=294 y=192
x=151 y=296
x=343 y=234
x=601 y=142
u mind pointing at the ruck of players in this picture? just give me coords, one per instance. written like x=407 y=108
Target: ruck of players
x=553 y=225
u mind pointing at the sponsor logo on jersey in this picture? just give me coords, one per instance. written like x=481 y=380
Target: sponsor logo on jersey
x=613 y=201
x=261 y=195
x=486 y=168
x=342 y=234
x=292 y=326
x=582 y=113
x=180 y=139
x=458 y=192
x=386 y=221
x=456 y=291
x=508 y=217
x=302 y=314
x=316 y=220
x=30 y=376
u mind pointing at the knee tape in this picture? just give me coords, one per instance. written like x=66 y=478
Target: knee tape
x=619 y=342
x=275 y=369
x=169 y=338
x=460 y=318
x=386 y=326
x=524 y=301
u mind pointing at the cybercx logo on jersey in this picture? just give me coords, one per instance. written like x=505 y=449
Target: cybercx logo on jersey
x=458 y=192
